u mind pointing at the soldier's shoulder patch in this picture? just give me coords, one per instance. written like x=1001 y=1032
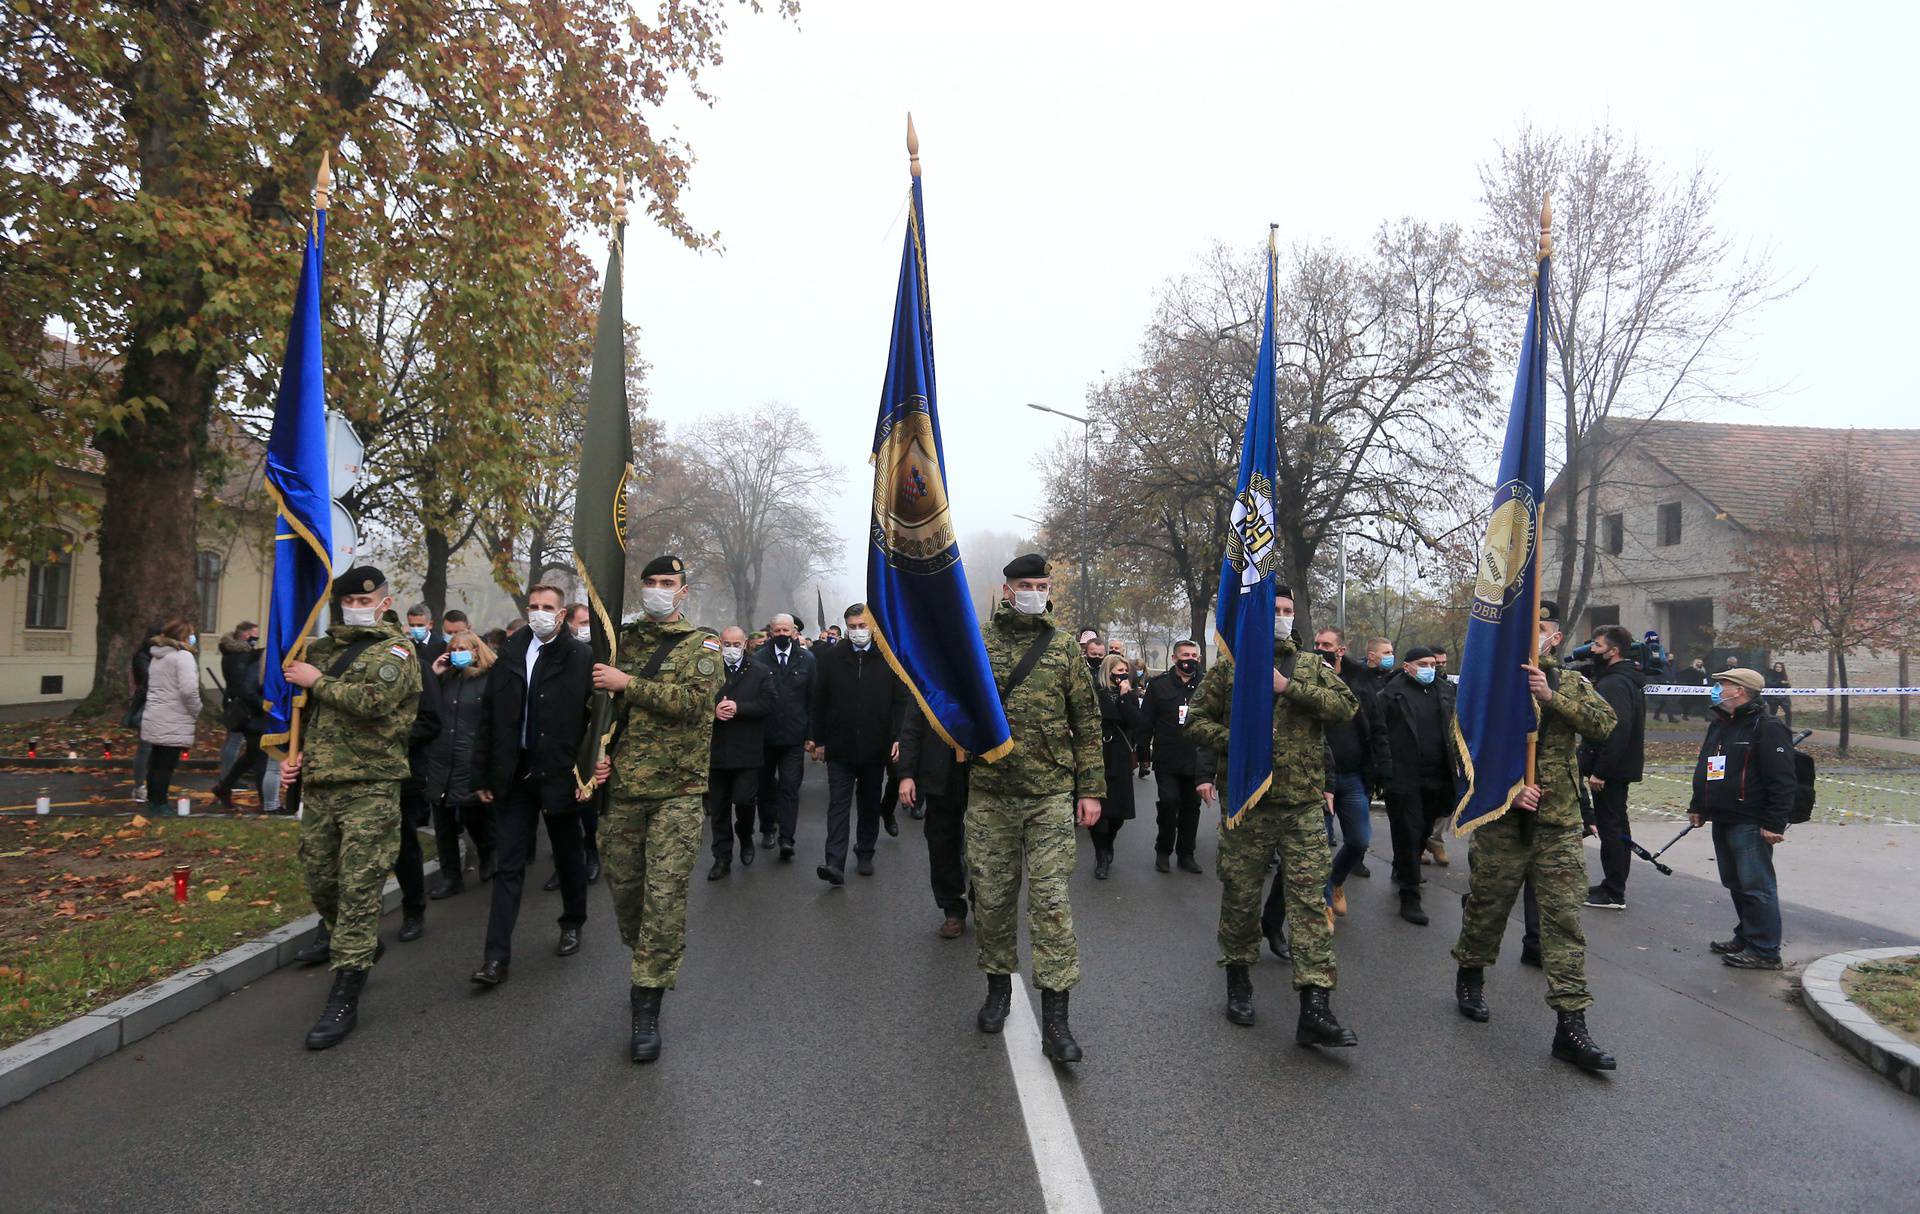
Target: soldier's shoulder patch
x=711 y=643
x=399 y=651
x=388 y=672
x=707 y=666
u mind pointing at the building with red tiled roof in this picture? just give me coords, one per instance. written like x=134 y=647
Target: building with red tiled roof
x=1674 y=501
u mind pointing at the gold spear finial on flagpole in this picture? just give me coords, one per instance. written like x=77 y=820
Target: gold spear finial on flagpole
x=323 y=181
x=913 y=146
x=1546 y=226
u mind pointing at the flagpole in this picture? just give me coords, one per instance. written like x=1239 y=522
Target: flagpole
x=1539 y=549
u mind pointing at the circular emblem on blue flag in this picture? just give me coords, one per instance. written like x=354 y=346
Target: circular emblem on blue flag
x=1506 y=553
x=911 y=522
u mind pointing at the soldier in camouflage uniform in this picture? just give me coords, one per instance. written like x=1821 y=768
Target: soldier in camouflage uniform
x=352 y=760
x=665 y=681
x=1290 y=816
x=1539 y=839
x=1022 y=808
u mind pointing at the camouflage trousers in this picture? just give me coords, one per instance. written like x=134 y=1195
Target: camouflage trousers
x=1299 y=832
x=1504 y=853
x=349 y=837
x=648 y=847
x=1005 y=835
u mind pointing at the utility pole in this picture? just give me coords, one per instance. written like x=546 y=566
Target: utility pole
x=1086 y=505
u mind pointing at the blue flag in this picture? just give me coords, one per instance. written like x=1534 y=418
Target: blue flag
x=1243 y=616
x=917 y=598
x=1496 y=716
x=298 y=481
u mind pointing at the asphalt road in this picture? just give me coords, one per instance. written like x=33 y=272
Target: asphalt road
x=820 y=1054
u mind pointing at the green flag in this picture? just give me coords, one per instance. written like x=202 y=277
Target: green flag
x=600 y=498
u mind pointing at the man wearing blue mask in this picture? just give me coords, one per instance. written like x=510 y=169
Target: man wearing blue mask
x=420 y=631
x=1414 y=762
x=1381 y=666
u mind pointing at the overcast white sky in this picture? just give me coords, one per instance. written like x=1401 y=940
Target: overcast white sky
x=1079 y=155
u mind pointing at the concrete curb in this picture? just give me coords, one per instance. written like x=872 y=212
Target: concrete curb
x=59 y=1052
x=1877 y=1046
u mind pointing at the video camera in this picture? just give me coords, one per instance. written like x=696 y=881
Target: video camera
x=1648 y=654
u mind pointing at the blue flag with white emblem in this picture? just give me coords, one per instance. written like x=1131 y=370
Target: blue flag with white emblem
x=1243 y=616
x=917 y=598
x=1496 y=718
x=298 y=480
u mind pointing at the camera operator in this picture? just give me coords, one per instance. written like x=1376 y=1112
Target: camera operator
x=1615 y=761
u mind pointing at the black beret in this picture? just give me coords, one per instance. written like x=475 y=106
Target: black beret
x=1549 y=610
x=1415 y=654
x=660 y=566
x=1030 y=565
x=361 y=579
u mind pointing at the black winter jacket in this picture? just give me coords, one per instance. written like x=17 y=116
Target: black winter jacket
x=1619 y=758
x=426 y=727
x=1757 y=783
x=741 y=742
x=1172 y=748
x=1350 y=742
x=452 y=772
x=792 y=688
x=859 y=705
x=928 y=761
x=1413 y=735
x=556 y=706
x=1122 y=724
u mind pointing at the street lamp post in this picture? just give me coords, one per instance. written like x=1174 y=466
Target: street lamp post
x=1086 y=500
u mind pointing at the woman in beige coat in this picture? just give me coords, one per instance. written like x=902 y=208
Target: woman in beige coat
x=173 y=705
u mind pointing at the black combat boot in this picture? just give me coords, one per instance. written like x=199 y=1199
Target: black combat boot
x=1571 y=1043
x=993 y=1013
x=1470 y=993
x=319 y=950
x=1239 y=995
x=1410 y=908
x=413 y=923
x=343 y=1006
x=1056 y=1039
x=1102 y=865
x=646 y=1022
x=1317 y=1025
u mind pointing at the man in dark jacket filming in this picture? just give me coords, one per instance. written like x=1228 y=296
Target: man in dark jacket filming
x=1744 y=784
x=1612 y=763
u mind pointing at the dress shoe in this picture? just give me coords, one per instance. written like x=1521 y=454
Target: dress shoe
x=490 y=973
x=645 y=1002
x=832 y=876
x=341 y=1011
x=1361 y=871
x=1239 y=995
x=891 y=821
x=1102 y=865
x=952 y=927
x=786 y=853
x=593 y=867
x=917 y=811
x=317 y=951
x=746 y=852
x=445 y=887
x=553 y=882
x=1410 y=908
x=413 y=924
x=766 y=840
x=1530 y=955
x=1056 y=1038
x=720 y=869
x=863 y=865
x=486 y=866
x=993 y=1013
x=1317 y=1025
x=1162 y=863
x=1190 y=865
x=569 y=942
x=1470 y=993
x=1572 y=1043
x=1278 y=946
x=1339 y=900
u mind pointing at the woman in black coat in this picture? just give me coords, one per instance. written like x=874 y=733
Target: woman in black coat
x=454 y=759
x=1120 y=719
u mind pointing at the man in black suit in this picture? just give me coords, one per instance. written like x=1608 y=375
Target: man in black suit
x=740 y=708
x=791 y=667
x=858 y=707
x=426 y=642
x=534 y=717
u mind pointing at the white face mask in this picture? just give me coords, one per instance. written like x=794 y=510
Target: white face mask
x=1547 y=640
x=1283 y=626
x=731 y=654
x=860 y=636
x=584 y=633
x=1029 y=602
x=359 y=617
x=658 y=601
x=543 y=623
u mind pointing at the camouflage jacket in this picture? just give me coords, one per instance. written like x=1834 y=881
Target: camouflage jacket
x=1314 y=697
x=663 y=749
x=1576 y=711
x=1053 y=714
x=357 y=725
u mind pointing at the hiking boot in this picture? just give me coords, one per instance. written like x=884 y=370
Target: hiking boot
x=993 y=1013
x=342 y=1010
x=1747 y=959
x=1239 y=995
x=1470 y=993
x=1056 y=1038
x=1339 y=902
x=319 y=950
x=1572 y=1043
x=1438 y=851
x=1317 y=1025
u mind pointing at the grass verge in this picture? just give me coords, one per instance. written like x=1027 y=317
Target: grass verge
x=1889 y=991
x=88 y=915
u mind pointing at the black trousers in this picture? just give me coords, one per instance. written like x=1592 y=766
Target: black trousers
x=780 y=778
x=1103 y=831
x=731 y=792
x=1178 y=812
x=250 y=766
x=449 y=820
x=409 y=867
x=1410 y=819
x=1610 y=818
x=946 y=828
x=516 y=818
x=160 y=766
x=855 y=787
x=1530 y=913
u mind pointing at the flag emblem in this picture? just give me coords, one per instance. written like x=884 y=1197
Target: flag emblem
x=1507 y=552
x=1250 y=544
x=912 y=523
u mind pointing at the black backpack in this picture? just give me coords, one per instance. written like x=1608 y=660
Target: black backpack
x=1803 y=780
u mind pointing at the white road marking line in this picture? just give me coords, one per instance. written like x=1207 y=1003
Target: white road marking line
x=1065 y=1182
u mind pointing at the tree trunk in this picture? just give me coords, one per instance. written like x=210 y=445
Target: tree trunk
x=1904 y=730
x=433 y=589
x=1830 y=683
x=1846 y=703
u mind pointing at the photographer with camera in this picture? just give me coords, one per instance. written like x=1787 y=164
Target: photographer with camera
x=1612 y=763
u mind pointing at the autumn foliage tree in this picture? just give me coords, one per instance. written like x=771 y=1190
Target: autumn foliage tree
x=160 y=158
x=1836 y=568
